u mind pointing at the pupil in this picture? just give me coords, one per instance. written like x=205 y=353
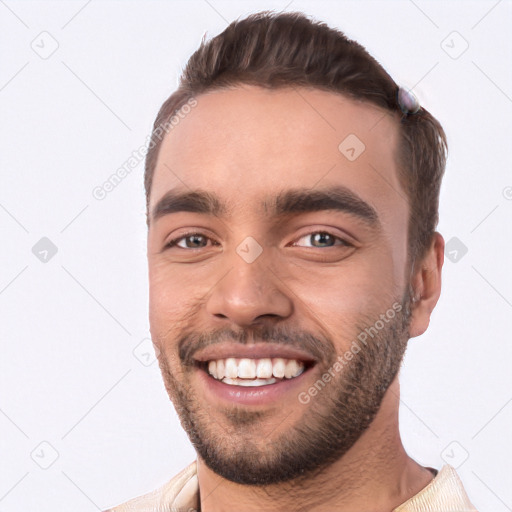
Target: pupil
x=195 y=238
x=320 y=237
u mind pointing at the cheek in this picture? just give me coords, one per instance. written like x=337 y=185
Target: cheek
x=176 y=296
x=167 y=301
x=362 y=286
x=161 y=293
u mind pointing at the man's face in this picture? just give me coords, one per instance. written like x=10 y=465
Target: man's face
x=307 y=279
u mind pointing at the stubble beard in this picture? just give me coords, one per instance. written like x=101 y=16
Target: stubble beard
x=331 y=422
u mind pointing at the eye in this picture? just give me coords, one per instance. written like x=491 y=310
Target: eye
x=197 y=241
x=318 y=239
x=324 y=239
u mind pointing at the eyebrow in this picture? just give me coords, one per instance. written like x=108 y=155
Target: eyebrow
x=288 y=202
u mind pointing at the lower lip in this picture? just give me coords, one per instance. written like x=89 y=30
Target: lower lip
x=250 y=395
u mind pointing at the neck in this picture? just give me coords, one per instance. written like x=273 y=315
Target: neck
x=376 y=473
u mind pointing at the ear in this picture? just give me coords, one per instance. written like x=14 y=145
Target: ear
x=426 y=286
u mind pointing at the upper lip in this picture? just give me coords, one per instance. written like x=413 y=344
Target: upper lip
x=255 y=351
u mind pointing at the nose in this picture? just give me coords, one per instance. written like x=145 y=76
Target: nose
x=248 y=293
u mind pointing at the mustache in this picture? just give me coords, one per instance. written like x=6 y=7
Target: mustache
x=321 y=348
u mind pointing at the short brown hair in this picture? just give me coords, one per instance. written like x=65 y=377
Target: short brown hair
x=275 y=50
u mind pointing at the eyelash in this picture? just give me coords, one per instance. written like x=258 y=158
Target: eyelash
x=174 y=241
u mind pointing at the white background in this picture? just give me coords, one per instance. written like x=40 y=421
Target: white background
x=69 y=327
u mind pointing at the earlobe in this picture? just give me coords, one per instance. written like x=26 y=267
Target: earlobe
x=426 y=286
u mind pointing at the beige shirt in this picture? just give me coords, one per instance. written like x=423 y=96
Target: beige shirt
x=444 y=493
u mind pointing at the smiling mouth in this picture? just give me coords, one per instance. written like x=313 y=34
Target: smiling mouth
x=254 y=371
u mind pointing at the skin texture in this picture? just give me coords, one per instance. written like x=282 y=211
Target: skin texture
x=342 y=448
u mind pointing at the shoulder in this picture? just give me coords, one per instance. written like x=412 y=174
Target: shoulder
x=162 y=498
x=444 y=492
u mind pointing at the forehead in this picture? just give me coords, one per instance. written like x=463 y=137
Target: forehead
x=242 y=143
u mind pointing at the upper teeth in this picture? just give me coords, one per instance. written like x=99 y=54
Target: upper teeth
x=251 y=368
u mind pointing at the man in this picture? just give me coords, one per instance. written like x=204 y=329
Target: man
x=292 y=199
